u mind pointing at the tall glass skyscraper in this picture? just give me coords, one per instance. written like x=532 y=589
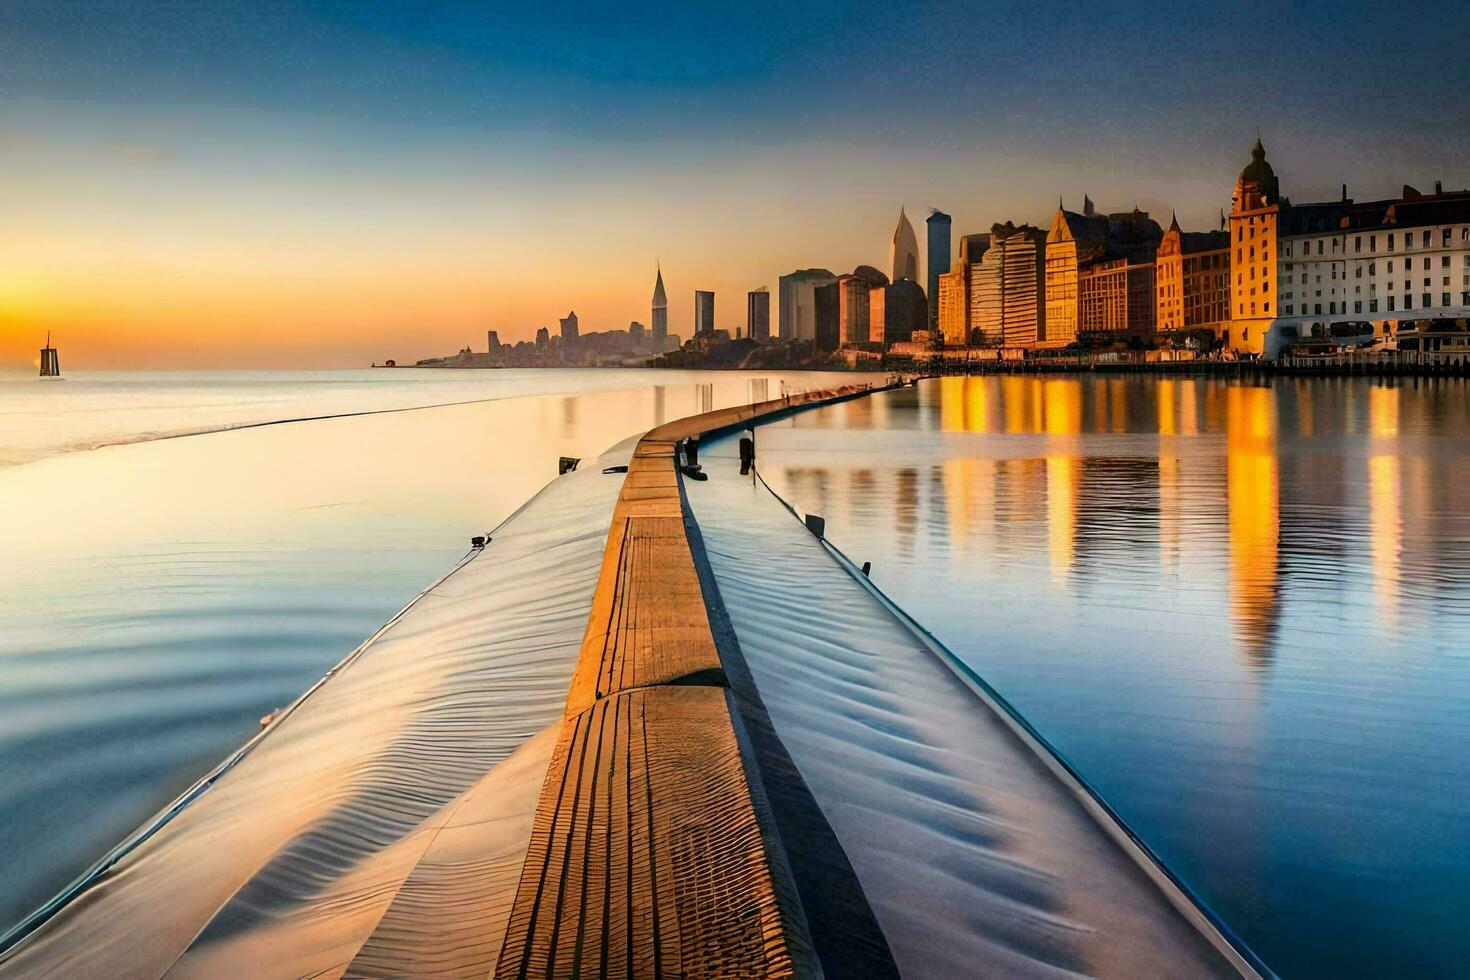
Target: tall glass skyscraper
x=936 y=261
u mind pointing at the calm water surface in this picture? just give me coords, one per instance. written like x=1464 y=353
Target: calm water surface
x=1243 y=612
x=158 y=597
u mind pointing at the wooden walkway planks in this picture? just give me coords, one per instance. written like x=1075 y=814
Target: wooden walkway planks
x=652 y=853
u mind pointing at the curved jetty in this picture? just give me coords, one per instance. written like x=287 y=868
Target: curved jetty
x=653 y=728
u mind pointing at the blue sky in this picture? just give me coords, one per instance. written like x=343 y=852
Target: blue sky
x=732 y=143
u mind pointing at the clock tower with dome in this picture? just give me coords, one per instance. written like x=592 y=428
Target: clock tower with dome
x=1255 y=211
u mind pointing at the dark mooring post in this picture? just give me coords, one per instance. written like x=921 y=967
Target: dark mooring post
x=747 y=453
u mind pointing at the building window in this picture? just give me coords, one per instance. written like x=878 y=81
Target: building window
x=1408 y=302
x=1372 y=243
x=1444 y=261
x=1358 y=243
x=1445 y=237
x=1390 y=262
x=1444 y=299
x=1358 y=272
x=1408 y=240
x=1372 y=268
x=1426 y=237
x=1465 y=298
x=1373 y=306
x=1317 y=308
x=1266 y=307
x=1390 y=299
x=1426 y=262
x=1357 y=306
x=1390 y=241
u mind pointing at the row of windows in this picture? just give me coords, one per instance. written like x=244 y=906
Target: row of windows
x=1426 y=240
x=1445 y=262
x=1426 y=300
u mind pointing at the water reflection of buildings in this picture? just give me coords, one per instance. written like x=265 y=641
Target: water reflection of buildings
x=1254 y=503
x=1332 y=491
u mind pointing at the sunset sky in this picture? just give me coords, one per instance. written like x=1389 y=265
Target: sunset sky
x=273 y=184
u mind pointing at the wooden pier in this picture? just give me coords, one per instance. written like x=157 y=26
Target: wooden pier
x=654 y=851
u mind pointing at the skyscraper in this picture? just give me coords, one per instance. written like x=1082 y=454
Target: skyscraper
x=569 y=328
x=659 y=321
x=827 y=317
x=936 y=261
x=798 y=304
x=758 y=314
x=903 y=251
x=853 y=297
x=704 y=311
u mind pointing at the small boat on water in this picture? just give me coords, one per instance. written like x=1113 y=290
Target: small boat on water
x=50 y=363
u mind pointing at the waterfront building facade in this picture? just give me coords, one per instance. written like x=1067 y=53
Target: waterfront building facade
x=1086 y=302
x=704 y=312
x=1116 y=301
x=1344 y=272
x=569 y=329
x=659 y=314
x=637 y=332
x=758 y=314
x=896 y=312
x=936 y=261
x=903 y=251
x=854 y=291
x=1007 y=288
x=543 y=338
x=1255 y=211
x=1073 y=241
x=796 y=296
x=1372 y=269
x=952 y=324
x=1192 y=280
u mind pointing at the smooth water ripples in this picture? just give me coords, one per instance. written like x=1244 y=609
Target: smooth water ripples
x=1242 y=611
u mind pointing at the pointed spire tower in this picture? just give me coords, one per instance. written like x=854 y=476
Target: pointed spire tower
x=659 y=316
x=903 y=251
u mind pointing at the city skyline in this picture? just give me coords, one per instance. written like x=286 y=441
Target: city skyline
x=167 y=210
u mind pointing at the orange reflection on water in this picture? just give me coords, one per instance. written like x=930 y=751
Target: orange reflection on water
x=1061 y=513
x=1061 y=407
x=1385 y=503
x=1252 y=488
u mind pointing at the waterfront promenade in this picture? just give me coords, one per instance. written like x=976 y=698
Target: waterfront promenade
x=473 y=792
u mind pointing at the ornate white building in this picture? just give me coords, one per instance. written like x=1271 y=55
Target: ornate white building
x=1344 y=271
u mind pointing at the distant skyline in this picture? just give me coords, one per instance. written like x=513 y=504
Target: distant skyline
x=278 y=184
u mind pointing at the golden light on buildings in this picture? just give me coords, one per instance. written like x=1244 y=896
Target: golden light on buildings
x=1253 y=491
